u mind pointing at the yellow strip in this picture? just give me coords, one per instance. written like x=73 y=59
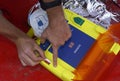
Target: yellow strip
x=64 y=70
x=87 y=27
x=30 y=33
x=115 y=48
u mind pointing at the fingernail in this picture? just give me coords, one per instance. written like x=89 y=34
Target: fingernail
x=55 y=65
x=47 y=61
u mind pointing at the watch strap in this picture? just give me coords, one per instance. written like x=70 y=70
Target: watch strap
x=47 y=5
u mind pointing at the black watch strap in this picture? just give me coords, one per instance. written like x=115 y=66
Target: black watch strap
x=47 y=5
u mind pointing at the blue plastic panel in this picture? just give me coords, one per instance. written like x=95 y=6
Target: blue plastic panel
x=75 y=48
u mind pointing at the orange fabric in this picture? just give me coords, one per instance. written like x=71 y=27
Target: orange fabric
x=98 y=60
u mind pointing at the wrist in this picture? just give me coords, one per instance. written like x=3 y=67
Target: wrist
x=58 y=10
x=16 y=35
x=55 y=13
x=23 y=37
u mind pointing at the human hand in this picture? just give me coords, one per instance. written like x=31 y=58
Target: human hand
x=57 y=32
x=27 y=49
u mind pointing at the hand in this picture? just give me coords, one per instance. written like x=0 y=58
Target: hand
x=57 y=32
x=25 y=45
x=26 y=52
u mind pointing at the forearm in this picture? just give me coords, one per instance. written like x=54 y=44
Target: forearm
x=9 y=30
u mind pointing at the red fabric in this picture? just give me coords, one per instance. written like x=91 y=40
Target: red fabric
x=113 y=8
x=113 y=72
x=10 y=66
x=16 y=11
x=12 y=70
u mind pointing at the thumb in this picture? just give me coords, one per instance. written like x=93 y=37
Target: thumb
x=43 y=37
x=42 y=40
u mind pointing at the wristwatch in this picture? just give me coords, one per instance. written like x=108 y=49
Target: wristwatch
x=51 y=4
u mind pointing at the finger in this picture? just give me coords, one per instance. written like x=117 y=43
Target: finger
x=42 y=40
x=43 y=37
x=55 y=55
x=23 y=63
x=61 y=42
x=40 y=52
x=68 y=35
x=33 y=56
x=28 y=61
x=21 y=59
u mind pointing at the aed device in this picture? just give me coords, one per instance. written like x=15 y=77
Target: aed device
x=76 y=52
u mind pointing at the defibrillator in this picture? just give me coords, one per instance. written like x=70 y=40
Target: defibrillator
x=85 y=55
